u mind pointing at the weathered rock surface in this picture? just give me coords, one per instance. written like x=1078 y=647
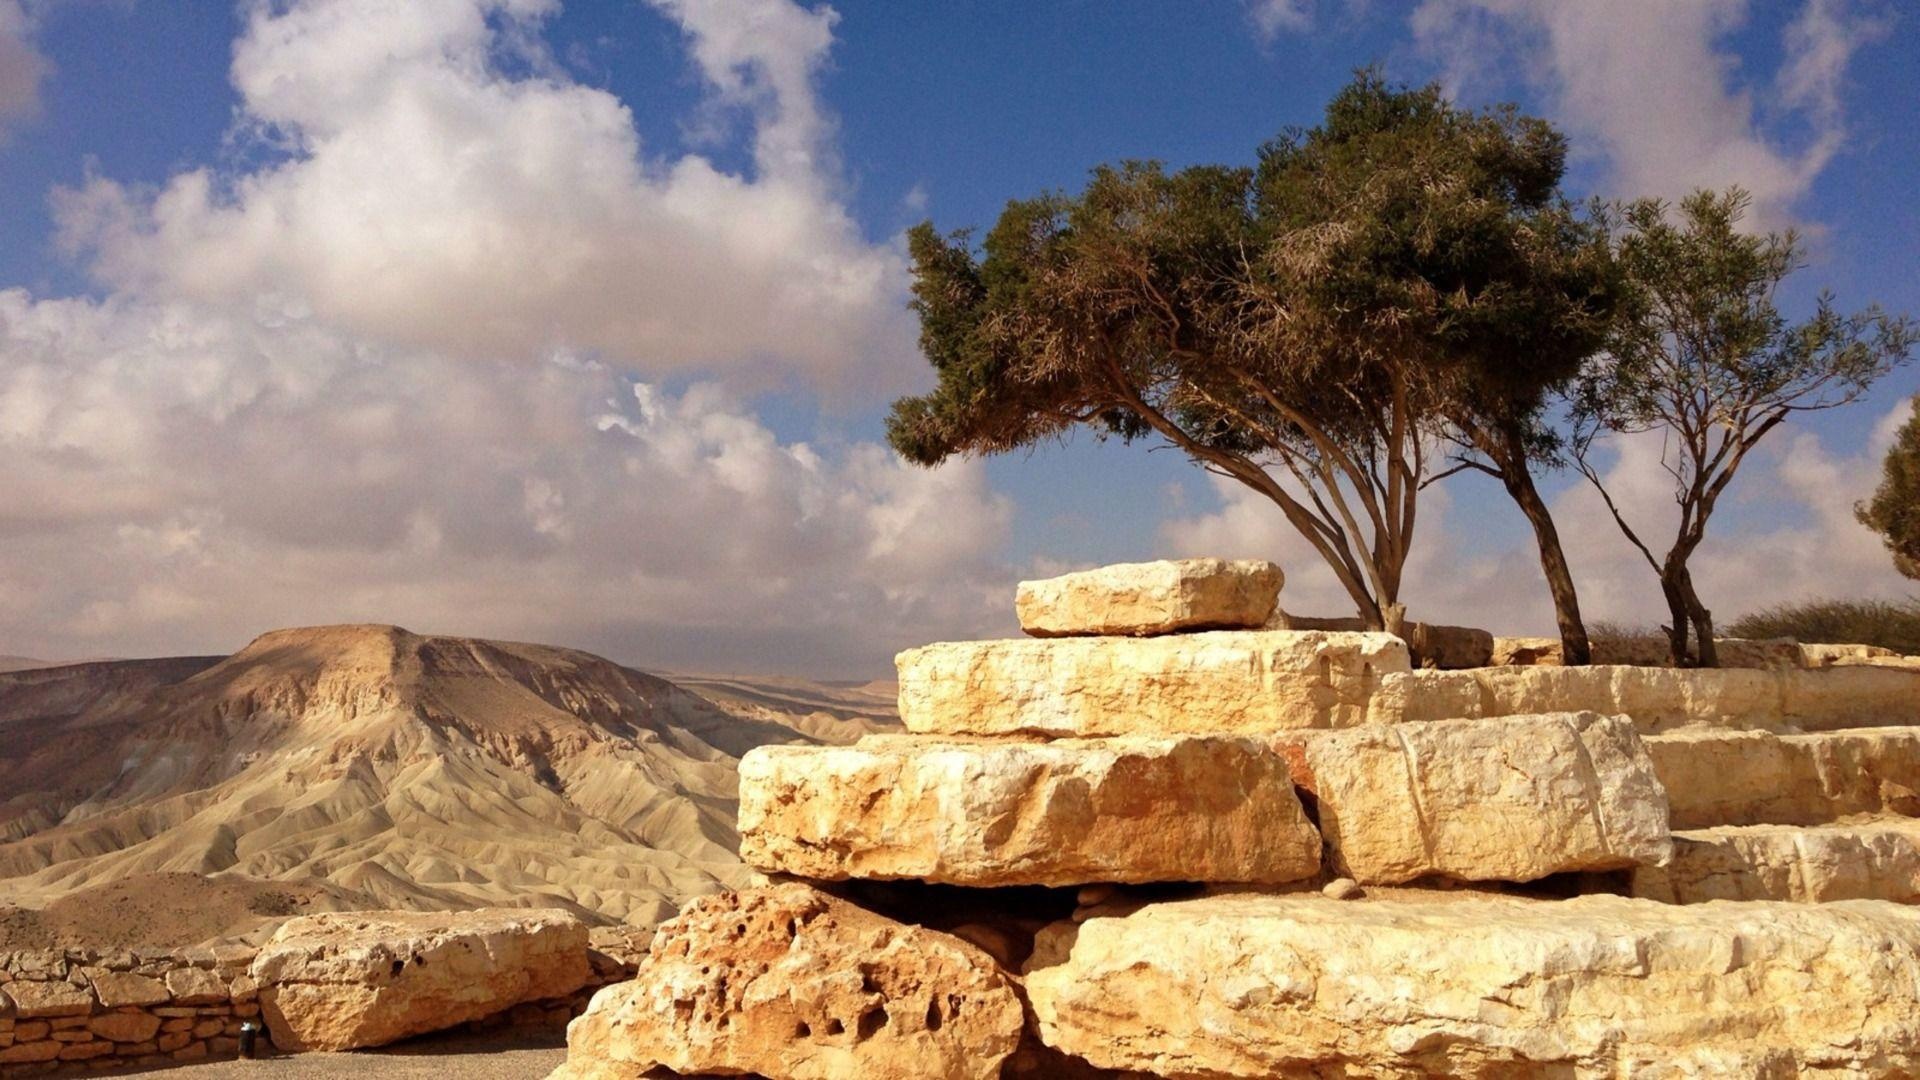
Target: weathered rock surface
x=1433 y=645
x=1860 y=860
x=1261 y=986
x=1222 y=682
x=1509 y=799
x=1659 y=698
x=340 y=982
x=1759 y=778
x=1065 y=812
x=1823 y=654
x=1526 y=651
x=789 y=983
x=1152 y=598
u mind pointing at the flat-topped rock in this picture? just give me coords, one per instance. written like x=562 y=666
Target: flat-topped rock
x=1661 y=698
x=1222 y=682
x=1433 y=645
x=345 y=981
x=1065 y=812
x=789 y=983
x=1147 y=598
x=1858 y=860
x=1508 y=799
x=1760 y=778
x=1304 y=985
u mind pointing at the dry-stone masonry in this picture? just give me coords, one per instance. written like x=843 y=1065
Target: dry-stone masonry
x=1323 y=802
x=1151 y=598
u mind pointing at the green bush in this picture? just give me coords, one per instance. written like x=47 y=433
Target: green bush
x=1888 y=624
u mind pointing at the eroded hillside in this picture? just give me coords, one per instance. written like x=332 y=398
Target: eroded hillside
x=399 y=770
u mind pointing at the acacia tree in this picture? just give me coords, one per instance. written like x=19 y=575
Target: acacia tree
x=1308 y=328
x=1703 y=355
x=1894 y=510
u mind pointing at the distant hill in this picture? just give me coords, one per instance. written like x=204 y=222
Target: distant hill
x=20 y=663
x=376 y=767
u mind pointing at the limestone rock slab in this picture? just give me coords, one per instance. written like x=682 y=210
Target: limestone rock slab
x=1261 y=986
x=1760 y=778
x=1506 y=799
x=1221 y=682
x=789 y=983
x=40 y=1000
x=1658 y=698
x=1066 y=812
x=1138 y=599
x=1860 y=860
x=345 y=981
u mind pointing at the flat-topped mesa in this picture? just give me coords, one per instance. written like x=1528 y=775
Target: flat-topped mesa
x=1508 y=799
x=1260 y=986
x=1067 y=812
x=1219 y=682
x=1141 y=599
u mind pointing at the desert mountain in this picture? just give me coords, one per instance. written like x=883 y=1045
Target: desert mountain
x=385 y=768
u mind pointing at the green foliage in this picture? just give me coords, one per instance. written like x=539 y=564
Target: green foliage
x=1319 y=316
x=1894 y=510
x=1889 y=625
x=1703 y=354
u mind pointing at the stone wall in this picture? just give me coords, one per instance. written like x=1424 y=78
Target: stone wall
x=78 y=1010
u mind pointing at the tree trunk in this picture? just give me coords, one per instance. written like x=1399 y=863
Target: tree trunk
x=1707 y=652
x=1575 y=649
x=1679 y=619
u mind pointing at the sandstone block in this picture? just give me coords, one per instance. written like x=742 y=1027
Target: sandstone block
x=1756 y=777
x=28 y=1031
x=33 y=1000
x=1509 y=799
x=196 y=986
x=1223 y=682
x=340 y=982
x=129 y=1027
x=1026 y=813
x=1823 y=655
x=1152 y=598
x=1450 y=647
x=118 y=988
x=1870 y=860
x=1525 y=651
x=86 y=1051
x=1261 y=986
x=789 y=983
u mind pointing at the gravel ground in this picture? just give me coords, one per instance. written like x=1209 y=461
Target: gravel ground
x=479 y=1057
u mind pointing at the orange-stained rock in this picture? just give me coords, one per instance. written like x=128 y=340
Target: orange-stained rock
x=789 y=983
x=344 y=981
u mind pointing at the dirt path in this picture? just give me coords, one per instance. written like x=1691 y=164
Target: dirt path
x=467 y=1057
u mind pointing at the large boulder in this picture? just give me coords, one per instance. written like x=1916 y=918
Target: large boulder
x=345 y=981
x=1152 y=598
x=1509 y=799
x=1759 y=778
x=789 y=983
x=1066 y=812
x=1859 y=860
x=1223 y=682
x=1303 y=985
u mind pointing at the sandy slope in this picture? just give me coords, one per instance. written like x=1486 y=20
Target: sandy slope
x=394 y=769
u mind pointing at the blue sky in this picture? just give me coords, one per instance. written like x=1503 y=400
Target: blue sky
x=331 y=311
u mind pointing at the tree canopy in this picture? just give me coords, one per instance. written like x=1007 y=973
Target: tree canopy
x=1894 y=510
x=1309 y=326
x=1703 y=354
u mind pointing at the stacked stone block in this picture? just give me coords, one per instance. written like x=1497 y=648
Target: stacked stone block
x=1153 y=736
